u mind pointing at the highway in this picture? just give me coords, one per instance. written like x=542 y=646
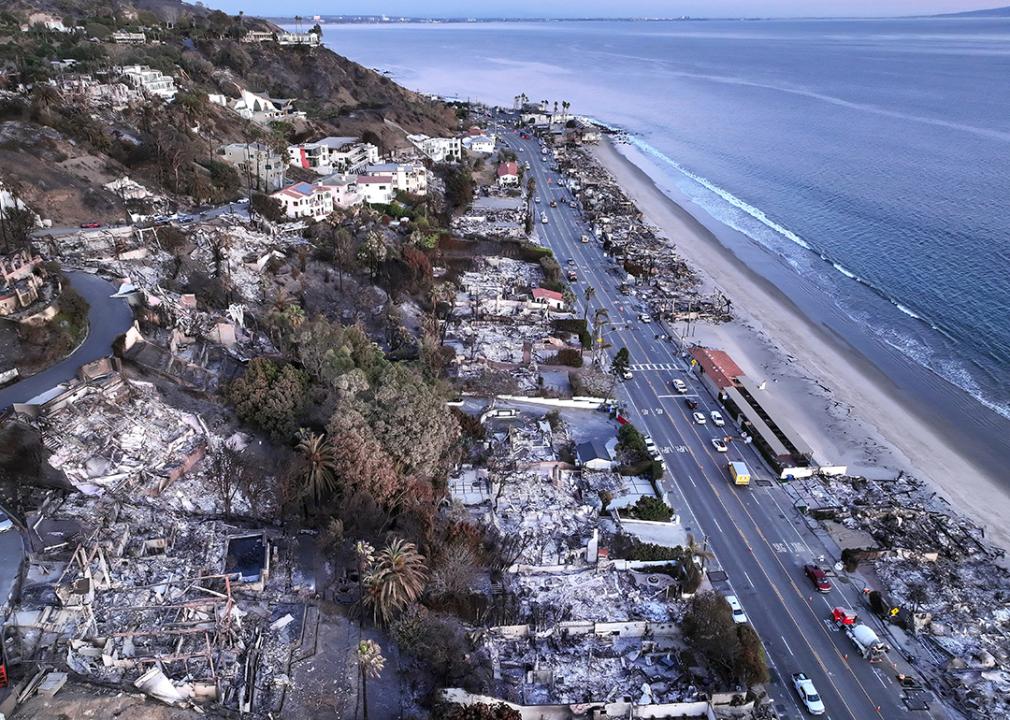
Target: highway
x=759 y=539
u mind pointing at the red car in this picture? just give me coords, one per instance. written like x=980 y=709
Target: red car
x=91 y=225
x=818 y=577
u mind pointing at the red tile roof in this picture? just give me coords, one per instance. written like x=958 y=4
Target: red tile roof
x=508 y=168
x=546 y=294
x=717 y=365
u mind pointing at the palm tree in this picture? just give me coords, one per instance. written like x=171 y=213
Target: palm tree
x=396 y=579
x=601 y=318
x=319 y=476
x=698 y=551
x=565 y=105
x=370 y=665
x=590 y=294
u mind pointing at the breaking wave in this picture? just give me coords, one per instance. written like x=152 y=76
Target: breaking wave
x=953 y=371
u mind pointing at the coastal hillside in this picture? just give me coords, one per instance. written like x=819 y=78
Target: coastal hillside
x=64 y=92
x=999 y=12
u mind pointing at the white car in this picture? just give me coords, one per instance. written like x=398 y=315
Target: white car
x=627 y=375
x=699 y=418
x=717 y=419
x=808 y=694
x=645 y=317
x=536 y=199
x=719 y=445
x=739 y=616
x=5 y=522
x=680 y=386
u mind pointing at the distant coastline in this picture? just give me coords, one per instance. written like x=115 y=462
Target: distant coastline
x=1001 y=12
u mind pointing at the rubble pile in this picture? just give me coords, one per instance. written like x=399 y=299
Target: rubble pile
x=574 y=669
x=495 y=213
x=503 y=326
x=118 y=434
x=590 y=628
x=649 y=265
x=600 y=593
x=130 y=585
x=937 y=570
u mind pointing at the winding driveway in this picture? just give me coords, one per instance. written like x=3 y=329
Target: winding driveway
x=108 y=317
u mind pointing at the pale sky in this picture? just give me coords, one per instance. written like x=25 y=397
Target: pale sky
x=603 y=8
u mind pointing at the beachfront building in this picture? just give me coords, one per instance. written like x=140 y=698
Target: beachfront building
x=508 y=174
x=344 y=189
x=550 y=299
x=377 y=189
x=259 y=167
x=409 y=177
x=752 y=409
x=438 y=149
x=334 y=155
x=481 y=144
x=305 y=201
x=149 y=81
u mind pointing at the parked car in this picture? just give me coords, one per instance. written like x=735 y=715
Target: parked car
x=679 y=385
x=91 y=225
x=720 y=445
x=699 y=418
x=739 y=615
x=691 y=404
x=818 y=577
x=717 y=418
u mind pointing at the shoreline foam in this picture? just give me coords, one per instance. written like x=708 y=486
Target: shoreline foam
x=830 y=389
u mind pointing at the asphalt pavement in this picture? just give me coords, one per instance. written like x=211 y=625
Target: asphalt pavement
x=108 y=317
x=760 y=541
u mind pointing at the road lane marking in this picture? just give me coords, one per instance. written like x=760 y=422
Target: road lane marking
x=632 y=340
x=787 y=645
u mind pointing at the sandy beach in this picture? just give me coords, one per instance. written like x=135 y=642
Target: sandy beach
x=849 y=411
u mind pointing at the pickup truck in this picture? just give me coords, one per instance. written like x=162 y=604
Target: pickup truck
x=808 y=694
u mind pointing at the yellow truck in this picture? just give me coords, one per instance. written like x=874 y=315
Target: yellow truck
x=739 y=473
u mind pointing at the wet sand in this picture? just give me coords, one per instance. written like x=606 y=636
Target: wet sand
x=847 y=409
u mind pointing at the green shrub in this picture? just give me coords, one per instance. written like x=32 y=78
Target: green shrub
x=649 y=508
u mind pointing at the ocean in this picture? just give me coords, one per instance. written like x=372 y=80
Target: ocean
x=869 y=159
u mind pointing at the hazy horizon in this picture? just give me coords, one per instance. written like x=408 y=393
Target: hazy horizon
x=605 y=8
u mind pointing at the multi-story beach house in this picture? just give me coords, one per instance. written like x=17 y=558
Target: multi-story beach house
x=333 y=155
x=484 y=144
x=442 y=149
x=344 y=189
x=377 y=189
x=259 y=167
x=305 y=201
x=149 y=81
x=407 y=177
